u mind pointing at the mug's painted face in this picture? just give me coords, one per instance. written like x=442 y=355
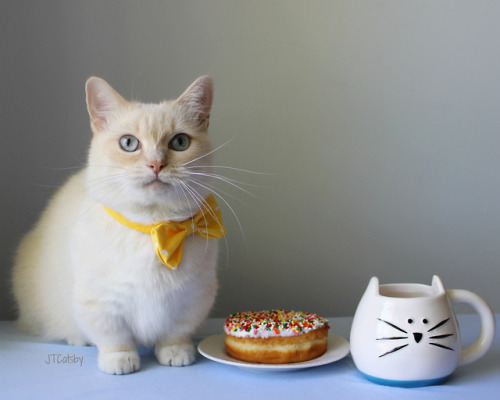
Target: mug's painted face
x=416 y=332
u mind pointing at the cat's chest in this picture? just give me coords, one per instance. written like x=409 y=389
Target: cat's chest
x=103 y=247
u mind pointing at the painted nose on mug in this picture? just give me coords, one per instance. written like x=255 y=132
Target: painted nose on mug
x=407 y=334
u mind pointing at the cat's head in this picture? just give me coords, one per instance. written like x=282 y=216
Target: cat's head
x=142 y=156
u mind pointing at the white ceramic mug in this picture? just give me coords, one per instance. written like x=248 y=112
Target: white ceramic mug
x=407 y=334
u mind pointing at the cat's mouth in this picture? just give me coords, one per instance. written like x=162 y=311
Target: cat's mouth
x=156 y=184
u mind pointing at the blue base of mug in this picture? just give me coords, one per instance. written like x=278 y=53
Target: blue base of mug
x=406 y=384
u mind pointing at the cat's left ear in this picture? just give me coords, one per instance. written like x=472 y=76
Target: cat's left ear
x=196 y=101
x=102 y=102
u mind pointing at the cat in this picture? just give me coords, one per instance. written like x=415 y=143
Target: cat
x=82 y=276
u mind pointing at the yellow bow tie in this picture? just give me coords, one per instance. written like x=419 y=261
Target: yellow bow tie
x=168 y=237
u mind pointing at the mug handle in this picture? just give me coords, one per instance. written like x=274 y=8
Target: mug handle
x=487 y=333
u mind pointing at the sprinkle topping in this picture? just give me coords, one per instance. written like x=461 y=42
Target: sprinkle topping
x=272 y=323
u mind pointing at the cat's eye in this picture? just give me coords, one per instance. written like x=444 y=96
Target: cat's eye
x=129 y=143
x=180 y=142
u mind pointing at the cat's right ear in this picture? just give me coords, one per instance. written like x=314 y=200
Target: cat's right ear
x=102 y=102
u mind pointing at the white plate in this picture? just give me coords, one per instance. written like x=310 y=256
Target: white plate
x=214 y=349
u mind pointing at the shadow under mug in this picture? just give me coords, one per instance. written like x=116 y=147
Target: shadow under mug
x=407 y=334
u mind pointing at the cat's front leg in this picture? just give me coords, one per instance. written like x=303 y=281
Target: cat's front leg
x=117 y=350
x=119 y=360
x=176 y=353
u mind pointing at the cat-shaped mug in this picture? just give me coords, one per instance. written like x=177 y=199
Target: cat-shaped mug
x=407 y=334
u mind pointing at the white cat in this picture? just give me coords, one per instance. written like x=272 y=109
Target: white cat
x=84 y=277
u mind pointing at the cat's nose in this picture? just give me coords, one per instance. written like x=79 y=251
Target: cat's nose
x=157 y=166
x=417 y=336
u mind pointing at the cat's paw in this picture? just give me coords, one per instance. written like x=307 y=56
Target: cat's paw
x=119 y=362
x=176 y=355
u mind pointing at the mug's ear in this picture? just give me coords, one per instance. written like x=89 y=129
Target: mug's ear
x=196 y=101
x=373 y=286
x=437 y=285
x=102 y=102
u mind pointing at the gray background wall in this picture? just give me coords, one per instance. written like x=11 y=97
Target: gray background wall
x=377 y=123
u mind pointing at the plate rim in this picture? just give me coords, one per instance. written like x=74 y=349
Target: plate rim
x=337 y=345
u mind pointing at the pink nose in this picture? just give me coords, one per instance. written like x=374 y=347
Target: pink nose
x=156 y=166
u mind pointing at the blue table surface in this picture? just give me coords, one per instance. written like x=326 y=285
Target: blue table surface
x=32 y=368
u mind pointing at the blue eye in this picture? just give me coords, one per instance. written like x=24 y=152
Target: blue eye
x=129 y=143
x=180 y=142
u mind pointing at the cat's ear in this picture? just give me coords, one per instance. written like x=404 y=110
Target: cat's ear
x=196 y=102
x=102 y=102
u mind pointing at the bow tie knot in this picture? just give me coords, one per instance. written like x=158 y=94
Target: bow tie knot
x=168 y=237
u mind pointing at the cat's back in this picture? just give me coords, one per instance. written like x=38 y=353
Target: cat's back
x=41 y=267
x=62 y=210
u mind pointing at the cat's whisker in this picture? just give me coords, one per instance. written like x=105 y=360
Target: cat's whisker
x=109 y=176
x=42 y=185
x=228 y=167
x=111 y=190
x=219 y=176
x=79 y=167
x=227 y=204
x=210 y=152
x=213 y=187
x=229 y=181
x=60 y=168
x=108 y=167
x=202 y=203
x=194 y=193
x=192 y=213
x=105 y=179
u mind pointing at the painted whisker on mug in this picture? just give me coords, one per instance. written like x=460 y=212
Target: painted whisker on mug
x=416 y=335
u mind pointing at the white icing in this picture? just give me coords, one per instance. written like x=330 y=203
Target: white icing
x=263 y=324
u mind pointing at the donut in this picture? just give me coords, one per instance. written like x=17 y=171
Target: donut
x=275 y=336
